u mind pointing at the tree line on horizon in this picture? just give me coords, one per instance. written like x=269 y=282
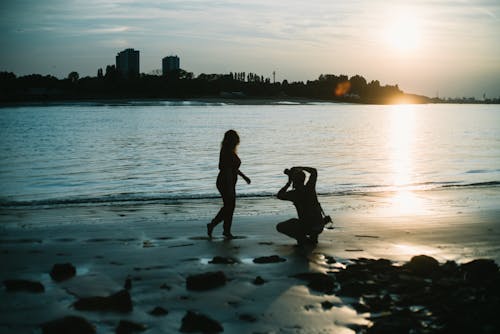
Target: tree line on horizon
x=181 y=84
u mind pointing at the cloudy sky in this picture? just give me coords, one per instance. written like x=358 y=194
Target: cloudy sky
x=428 y=46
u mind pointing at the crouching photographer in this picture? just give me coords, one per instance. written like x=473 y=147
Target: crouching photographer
x=310 y=222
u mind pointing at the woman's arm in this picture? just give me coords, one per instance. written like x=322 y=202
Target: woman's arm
x=246 y=178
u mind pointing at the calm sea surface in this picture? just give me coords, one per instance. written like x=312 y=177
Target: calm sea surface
x=165 y=151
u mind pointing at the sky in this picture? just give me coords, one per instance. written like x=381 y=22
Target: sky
x=429 y=47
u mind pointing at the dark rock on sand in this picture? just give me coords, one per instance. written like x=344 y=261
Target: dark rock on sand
x=206 y=281
x=330 y=259
x=422 y=265
x=424 y=297
x=361 y=308
x=129 y=327
x=318 y=281
x=259 y=280
x=269 y=259
x=118 y=302
x=68 y=324
x=13 y=285
x=394 y=323
x=158 y=311
x=356 y=288
x=62 y=271
x=248 y=318
x=223 y=260
x=196 y=322
x=479 y=270
x=327 y=305
x=379 y=303
x=128 y=283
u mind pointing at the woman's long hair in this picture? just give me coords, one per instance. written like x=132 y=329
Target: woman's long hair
x=230 y=141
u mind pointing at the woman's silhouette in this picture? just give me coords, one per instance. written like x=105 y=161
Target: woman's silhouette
x=229 y=169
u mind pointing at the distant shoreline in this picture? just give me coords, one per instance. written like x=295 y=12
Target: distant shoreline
x=206 y=100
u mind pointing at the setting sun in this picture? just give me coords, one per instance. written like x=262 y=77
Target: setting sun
x=403 y=34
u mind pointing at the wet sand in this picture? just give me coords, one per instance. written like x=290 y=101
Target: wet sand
x=159 y=246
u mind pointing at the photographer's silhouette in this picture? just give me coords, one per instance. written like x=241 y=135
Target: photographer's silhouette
x=310 y=222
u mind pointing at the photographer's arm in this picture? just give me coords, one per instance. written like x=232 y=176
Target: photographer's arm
x=282 y=194
x=313 y=174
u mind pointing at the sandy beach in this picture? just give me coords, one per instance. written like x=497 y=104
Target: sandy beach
x=158 y=246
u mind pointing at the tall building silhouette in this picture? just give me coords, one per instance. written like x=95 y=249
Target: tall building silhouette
x=169 y=64
x=127 y=63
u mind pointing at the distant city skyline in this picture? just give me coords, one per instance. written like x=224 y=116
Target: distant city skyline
x=450 y=48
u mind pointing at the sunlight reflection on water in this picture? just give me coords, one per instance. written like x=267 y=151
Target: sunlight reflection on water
x=401 y=143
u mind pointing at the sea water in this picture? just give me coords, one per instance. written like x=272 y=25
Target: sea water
x=164 y=151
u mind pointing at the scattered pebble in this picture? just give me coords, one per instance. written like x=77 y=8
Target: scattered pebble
x=197 y=322
x=206 y=281
x=158 y=311
x=269 y=259
x=118 y=302
x=14 y=285
x=259 y=280
x=223 y=260
x=318 y=281
x=248 y=318
x=128 y=327
x=68 y=324
x=62 y=272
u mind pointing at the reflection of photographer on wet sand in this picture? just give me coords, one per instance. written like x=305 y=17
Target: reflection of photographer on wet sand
x=310 y=220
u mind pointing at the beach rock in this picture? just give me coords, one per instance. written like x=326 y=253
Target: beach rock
x=68 y=324
x=449 y=268
x=379 y=265
x=62 y=271
x=269 y=259
x=422 y=265
x=196 y=322
x=361 y=308
x=318 y=281
x=423 y=296
x=206 y=281
x=378 y=303
x=479 y=270
x=14 y=285
x=327 y=305
x=259 y=280
x=158 y=311
x=118 y=302
x=129 y=327
x=395 y=323
x=248 y=318
x=223 y=260
x=128 y=283
x=330 y=259
x=353 y=288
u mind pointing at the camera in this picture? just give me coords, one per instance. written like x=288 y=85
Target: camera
x=328 y=222
x=287 y=172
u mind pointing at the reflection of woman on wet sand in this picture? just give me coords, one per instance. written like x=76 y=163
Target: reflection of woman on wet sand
x=229 y=164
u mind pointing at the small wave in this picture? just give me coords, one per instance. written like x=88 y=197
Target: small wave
x=192 y=103
x=292 y=103
x=472 y=185
x=133 y=198
x=476 y=171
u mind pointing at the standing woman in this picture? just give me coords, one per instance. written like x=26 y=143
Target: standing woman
x=229 y=169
